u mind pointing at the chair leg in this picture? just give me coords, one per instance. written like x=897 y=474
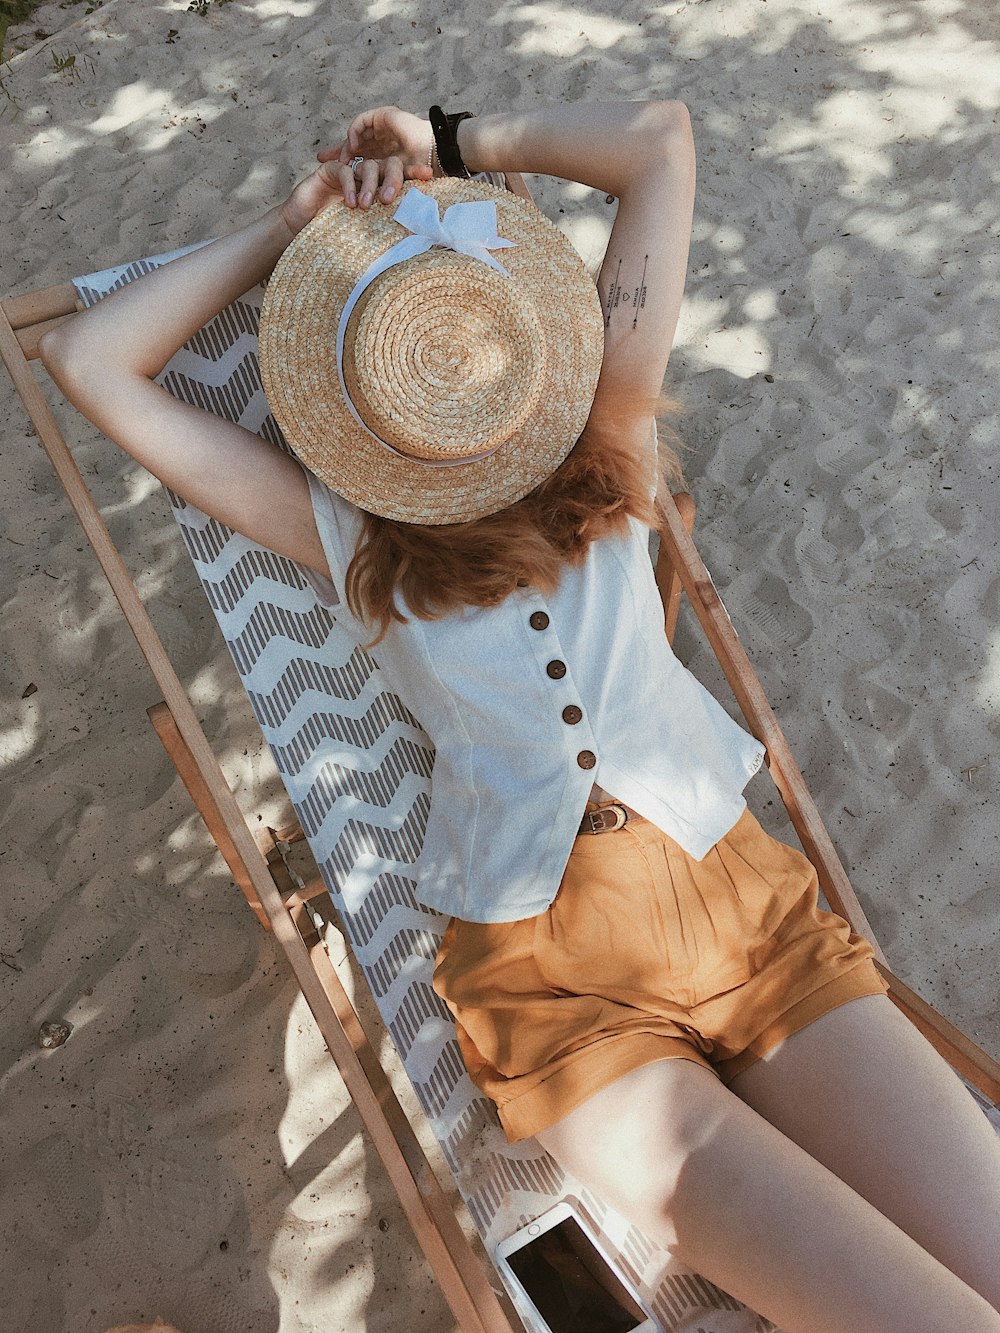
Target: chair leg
x=181 y=758
x=667 y=579
x=458 y=1270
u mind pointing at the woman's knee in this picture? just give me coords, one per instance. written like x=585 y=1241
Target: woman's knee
x=635 y=1143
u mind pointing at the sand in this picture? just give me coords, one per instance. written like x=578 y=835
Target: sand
x=188 y=1151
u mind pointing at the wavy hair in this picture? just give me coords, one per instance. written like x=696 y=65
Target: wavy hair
x=610 y=475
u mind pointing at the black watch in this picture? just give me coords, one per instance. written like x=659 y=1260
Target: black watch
x=445 y=129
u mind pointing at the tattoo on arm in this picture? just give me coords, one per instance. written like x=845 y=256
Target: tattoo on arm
x=639 y=299
x=612 y=298
x=630 y=299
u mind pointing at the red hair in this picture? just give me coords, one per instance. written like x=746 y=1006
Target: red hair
x=610 y=474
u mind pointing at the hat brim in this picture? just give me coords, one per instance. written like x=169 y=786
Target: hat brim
x=303 y=303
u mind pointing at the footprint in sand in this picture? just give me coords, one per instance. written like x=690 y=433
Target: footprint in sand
x=61 y=1194
x=821 y=559
x=772 y=612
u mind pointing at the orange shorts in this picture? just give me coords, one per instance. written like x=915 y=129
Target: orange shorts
x=646 y=954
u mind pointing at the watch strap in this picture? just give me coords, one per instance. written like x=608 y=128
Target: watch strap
x=445 y=129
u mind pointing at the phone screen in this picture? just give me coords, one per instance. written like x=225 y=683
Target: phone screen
x=571 y=1285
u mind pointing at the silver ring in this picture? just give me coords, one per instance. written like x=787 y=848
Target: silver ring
x=355 y=162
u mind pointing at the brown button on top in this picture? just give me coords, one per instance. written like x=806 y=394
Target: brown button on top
x=572 y=714
x=522 y=583
x=538 y=620
x=586 y=759
x=556 y=669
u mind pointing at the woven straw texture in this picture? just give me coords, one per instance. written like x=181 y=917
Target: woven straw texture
x=482 y=383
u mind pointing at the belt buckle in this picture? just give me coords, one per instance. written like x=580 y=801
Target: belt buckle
x=608 y=819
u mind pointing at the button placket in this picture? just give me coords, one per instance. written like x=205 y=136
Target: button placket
x=544 y=640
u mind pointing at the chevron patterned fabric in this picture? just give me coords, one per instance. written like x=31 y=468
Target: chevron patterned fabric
x=357 y=768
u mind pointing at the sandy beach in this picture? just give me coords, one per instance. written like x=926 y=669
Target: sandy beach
x=189 y=1151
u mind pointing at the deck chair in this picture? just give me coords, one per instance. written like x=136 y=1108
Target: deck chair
x=357 y=769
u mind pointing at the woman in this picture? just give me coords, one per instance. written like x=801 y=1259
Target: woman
x=639 y=975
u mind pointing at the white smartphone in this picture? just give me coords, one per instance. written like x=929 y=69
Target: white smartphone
x=565 y=1282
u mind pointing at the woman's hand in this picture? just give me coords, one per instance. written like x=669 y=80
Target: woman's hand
x=387 y=132
x=310 y=197
x=395 y=146
x=334 y=181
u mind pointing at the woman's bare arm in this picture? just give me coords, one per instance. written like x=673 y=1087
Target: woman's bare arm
x=642 y=152
x=106 y=358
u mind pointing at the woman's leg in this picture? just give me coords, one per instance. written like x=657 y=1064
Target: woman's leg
x=672 y=1148
x=865 y=1094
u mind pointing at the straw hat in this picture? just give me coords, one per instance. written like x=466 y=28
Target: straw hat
x=465 y=374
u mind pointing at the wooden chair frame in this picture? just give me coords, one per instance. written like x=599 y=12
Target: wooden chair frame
x=281 y=905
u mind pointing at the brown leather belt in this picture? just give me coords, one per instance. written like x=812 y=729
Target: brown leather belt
x=606 y=819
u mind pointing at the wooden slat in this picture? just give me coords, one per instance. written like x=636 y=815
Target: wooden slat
x=949 y=1041
x=36 y=307
x=502 y=1317
x=750 y=696
x=346 y=1041
x=290 y=833
x=516 y=185
x=31 y=337
x=668 y=581
x=315 y=888
x=198 y=789
x=461 y=1278
x=352 y=1034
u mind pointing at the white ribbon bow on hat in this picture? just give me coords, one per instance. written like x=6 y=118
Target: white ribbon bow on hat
x=468 y=228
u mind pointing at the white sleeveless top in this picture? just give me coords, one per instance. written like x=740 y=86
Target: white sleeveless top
x=529 y=703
